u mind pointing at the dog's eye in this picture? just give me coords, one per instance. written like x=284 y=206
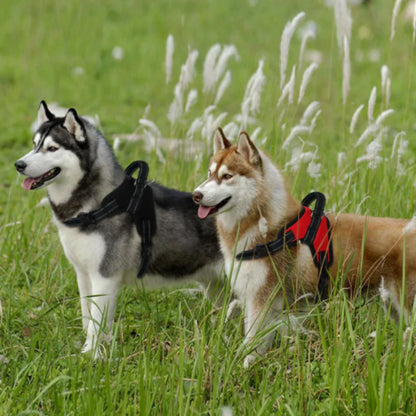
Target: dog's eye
x=52 y=149
x=227 y=176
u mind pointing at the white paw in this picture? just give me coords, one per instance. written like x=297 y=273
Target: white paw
x=250 y=358
x=87 y=347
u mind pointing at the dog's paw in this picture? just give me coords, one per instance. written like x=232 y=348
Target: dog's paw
x=96 y=352
x=249 y=360
x=234 y=309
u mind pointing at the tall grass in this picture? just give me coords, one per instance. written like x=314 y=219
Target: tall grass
x=173 y=353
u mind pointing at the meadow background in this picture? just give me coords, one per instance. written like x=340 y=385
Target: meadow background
x=173 y=353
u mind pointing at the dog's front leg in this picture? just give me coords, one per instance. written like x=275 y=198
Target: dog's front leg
x=84 y=288
x=103 y=302
x=256 y=318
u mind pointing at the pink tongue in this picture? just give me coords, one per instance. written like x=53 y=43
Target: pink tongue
x=28 y=182
x=204 y=211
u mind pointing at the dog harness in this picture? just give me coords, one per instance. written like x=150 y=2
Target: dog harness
x=135 y=197
x=310 y=228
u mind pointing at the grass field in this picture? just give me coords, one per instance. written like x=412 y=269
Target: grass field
x=173 y=353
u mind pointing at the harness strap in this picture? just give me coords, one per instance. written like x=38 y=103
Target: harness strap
x=310 y=228
x=135 y=197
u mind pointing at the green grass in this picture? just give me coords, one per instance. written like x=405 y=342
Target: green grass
x=173 y=353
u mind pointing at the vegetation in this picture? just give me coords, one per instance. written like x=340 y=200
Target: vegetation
x=172 y=352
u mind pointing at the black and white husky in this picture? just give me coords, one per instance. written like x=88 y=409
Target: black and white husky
x=74 y=161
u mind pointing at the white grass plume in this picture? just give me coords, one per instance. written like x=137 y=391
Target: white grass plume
x=354 y=118
x=387 y=93
x=307 y=74
x=288 y=90
x=385 y=73
x=394 y=15
x=414 y=23
x=170 y=48
x=250 y=105
x=255 y=133
x=151 y=126
x=188 y=70
x=401 y=144
x=343 y=22
x=210 y=125
x=397 y=138
x=231 y=130
x=287 y=34
x=296 y=131
x=385 y=84
x=195 y=126
x=225 y=83
x=191 y=100
x=314 y=169
x=373 y=153
x=346 y=71
x=310 y=111
x=380 y=119
x=228 y=52
x=372 y=129
x=176 y=108
x=215 y=64
x=371 y=104
x=298 y=157
x=308 y=33
x=209 y=68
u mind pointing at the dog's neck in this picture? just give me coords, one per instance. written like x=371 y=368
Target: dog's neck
x=272 y=207
x=83 y=193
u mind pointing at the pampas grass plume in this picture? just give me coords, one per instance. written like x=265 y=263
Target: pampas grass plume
x=170 y=47
x=346 y=71
x=307 y=74
x=209 y=68
x=225 y=83
x=191 y=100
x=287 y=34
x=372 y=103
x=395 y=13
x=354 y=118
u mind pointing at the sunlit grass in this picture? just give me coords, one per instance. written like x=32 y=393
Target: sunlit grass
x=173 y=353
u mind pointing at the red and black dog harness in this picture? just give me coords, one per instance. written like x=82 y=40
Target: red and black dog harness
x=310 y=228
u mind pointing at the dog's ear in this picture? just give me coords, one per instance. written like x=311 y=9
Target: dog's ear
x=74 y=125
x=248 y=149
x=220 y=141
x=44 y=114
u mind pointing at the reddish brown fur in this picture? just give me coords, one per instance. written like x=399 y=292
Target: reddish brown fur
x=367 y=251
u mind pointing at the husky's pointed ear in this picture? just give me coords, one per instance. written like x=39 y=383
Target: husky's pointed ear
x=74 y=125
x=44 y=114
x=248 y=149
x=220 y=141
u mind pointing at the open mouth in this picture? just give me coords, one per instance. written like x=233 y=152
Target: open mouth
x=204 y=211
x=34 y=183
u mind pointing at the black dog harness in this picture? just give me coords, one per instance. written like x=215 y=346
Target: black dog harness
x=312 y=229
x=135 y=197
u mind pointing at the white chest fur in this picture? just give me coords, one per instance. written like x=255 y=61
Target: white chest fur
x=84 y=251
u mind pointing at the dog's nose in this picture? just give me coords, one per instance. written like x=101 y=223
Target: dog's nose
x=197 y=197
x=20 y=165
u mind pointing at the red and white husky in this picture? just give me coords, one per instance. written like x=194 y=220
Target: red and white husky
x=252 y=203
